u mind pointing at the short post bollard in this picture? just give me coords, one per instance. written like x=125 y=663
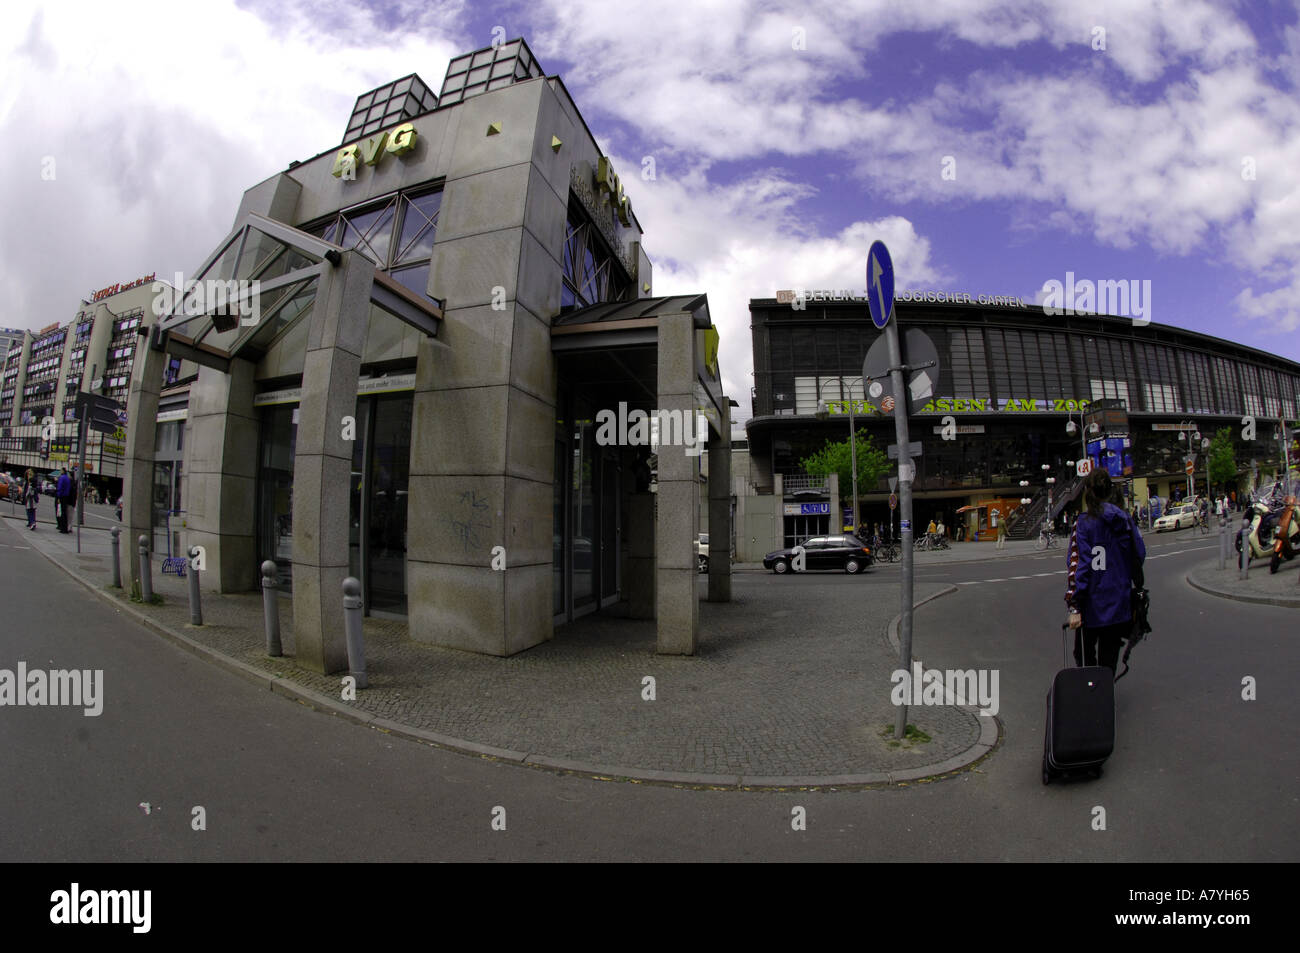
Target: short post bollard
x=146 y=581
x=196 y=608
x=115 y=533
x=1243 y=562
x=1223 y=542
x=352 y=626
x=271 y=610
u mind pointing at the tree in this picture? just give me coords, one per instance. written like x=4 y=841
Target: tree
x=834 y=457
x=1223 y=458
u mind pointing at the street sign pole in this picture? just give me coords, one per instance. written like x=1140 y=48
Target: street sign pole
x=880 y=301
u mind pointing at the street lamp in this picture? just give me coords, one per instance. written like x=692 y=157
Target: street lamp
x=823 y=412
x=1191 y=439
x=1047 y=517
x=1071 y=427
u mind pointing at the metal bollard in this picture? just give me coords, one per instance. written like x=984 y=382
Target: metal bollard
x=352 y=625
x=116 y=532
x=1223 y=543
x=196 y=607
x=146 y=580
x=271 y=610
x=1243 y=562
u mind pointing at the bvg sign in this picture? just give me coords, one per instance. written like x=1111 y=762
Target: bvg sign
x=398 y=141
x=607 y=181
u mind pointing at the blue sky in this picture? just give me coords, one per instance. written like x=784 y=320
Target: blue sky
x=1152 y=141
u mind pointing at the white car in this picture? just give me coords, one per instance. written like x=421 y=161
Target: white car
x=1177 y=518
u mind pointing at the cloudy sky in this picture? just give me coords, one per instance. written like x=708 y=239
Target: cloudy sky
x=995 y=145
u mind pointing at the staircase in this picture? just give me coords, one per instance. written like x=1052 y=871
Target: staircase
x=1027 y=523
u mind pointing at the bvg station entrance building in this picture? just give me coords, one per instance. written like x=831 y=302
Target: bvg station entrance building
x=444 y=304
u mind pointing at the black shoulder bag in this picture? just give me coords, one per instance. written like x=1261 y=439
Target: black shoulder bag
x=1140 y=602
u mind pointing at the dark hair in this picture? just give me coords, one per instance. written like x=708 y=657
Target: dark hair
x=1097 y=491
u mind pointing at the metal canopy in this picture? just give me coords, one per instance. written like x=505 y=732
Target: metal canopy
x=285 y=264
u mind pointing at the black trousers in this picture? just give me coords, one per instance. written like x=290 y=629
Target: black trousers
x=62 y=516
x=1102 y=641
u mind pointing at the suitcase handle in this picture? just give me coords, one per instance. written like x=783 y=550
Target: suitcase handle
x=1065 y=648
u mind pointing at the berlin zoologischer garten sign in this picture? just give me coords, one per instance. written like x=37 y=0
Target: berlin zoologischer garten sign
x=971 y=405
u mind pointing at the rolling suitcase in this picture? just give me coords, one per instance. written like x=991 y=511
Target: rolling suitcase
x=1080 y=719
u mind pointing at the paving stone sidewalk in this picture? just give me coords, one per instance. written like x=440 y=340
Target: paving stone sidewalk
x=768 y=700
x=1259 y=586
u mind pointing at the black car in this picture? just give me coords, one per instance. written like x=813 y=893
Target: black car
x=846 y=552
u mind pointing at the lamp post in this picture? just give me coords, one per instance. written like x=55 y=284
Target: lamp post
x=1071 y=427
x=1188 y=432
x=823 y=411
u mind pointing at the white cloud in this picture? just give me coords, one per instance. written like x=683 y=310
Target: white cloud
x=746 y=240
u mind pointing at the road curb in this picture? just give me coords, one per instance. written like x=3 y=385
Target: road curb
x=989 y=730
x=1282 y=602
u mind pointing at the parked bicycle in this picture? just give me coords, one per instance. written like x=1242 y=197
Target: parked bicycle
x=1046 y=539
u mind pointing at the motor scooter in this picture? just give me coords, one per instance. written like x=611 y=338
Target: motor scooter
x=1264 y=535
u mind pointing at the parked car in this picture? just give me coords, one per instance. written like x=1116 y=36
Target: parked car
x=1184 y=514
x=847 y=553
x=11 y=488
x=702 y=552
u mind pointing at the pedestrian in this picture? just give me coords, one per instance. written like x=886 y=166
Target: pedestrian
x=1104 y=561
x=31 y=498
x=62 y=496
x=938 y=528
x=1001 y=527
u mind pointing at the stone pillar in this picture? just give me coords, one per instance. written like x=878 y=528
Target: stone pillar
x=141 y=421
x=221 y=446
x=778 y=512
x=677 y=525
x=720 y=509
x=639 y=580
x=323 y=462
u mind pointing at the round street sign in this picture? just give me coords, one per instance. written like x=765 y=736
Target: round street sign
x=880 y=284
x=887 y=404
x=1083 y=467
x=893 y=501
x=1191 y=467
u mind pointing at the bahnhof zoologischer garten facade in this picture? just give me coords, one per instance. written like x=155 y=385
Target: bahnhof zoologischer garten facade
x=1023 y=395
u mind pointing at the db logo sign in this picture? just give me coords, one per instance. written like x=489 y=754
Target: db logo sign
x=887 y=404
x=1084 y=467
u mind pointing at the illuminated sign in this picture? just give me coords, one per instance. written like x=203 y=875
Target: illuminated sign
x=607 y=182
x=116 y=289
x=971 y=405
x=932 y=297
x=398 y=141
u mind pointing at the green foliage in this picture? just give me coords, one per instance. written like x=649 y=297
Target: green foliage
x=835 y=457
x=1223 y=458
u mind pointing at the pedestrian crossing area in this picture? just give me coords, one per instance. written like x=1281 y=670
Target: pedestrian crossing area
x=1062 y=572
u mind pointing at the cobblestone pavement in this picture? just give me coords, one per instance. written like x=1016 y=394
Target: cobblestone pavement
x=1280 y=589
x=775 y=692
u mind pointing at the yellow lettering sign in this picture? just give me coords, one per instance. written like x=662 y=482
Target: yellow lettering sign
x=397 y=141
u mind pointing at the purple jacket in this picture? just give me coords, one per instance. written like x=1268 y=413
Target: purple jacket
x=1103 y=597
x=63 y=489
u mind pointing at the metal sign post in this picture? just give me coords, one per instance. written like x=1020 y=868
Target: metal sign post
x=880 y=300
x=82 y=427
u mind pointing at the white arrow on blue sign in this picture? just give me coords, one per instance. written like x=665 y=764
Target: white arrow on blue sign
x=880 y=284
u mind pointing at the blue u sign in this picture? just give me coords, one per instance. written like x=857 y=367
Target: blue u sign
x=814 y=509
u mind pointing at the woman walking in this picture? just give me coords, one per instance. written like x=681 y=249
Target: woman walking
x=31 y=497
x=1105 y=559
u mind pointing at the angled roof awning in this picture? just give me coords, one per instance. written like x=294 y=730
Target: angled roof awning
x=261 y=278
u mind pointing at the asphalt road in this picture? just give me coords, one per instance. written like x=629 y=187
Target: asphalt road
x=1198 y=774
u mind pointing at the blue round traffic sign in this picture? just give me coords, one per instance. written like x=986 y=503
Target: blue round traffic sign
x=880 y=284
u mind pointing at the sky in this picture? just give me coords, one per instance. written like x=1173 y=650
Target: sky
x=994 y=145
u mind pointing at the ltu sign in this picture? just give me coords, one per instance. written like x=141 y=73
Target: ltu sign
x=398 y=141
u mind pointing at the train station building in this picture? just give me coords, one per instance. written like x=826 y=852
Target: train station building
x=1016 y=397
x=401 y=352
